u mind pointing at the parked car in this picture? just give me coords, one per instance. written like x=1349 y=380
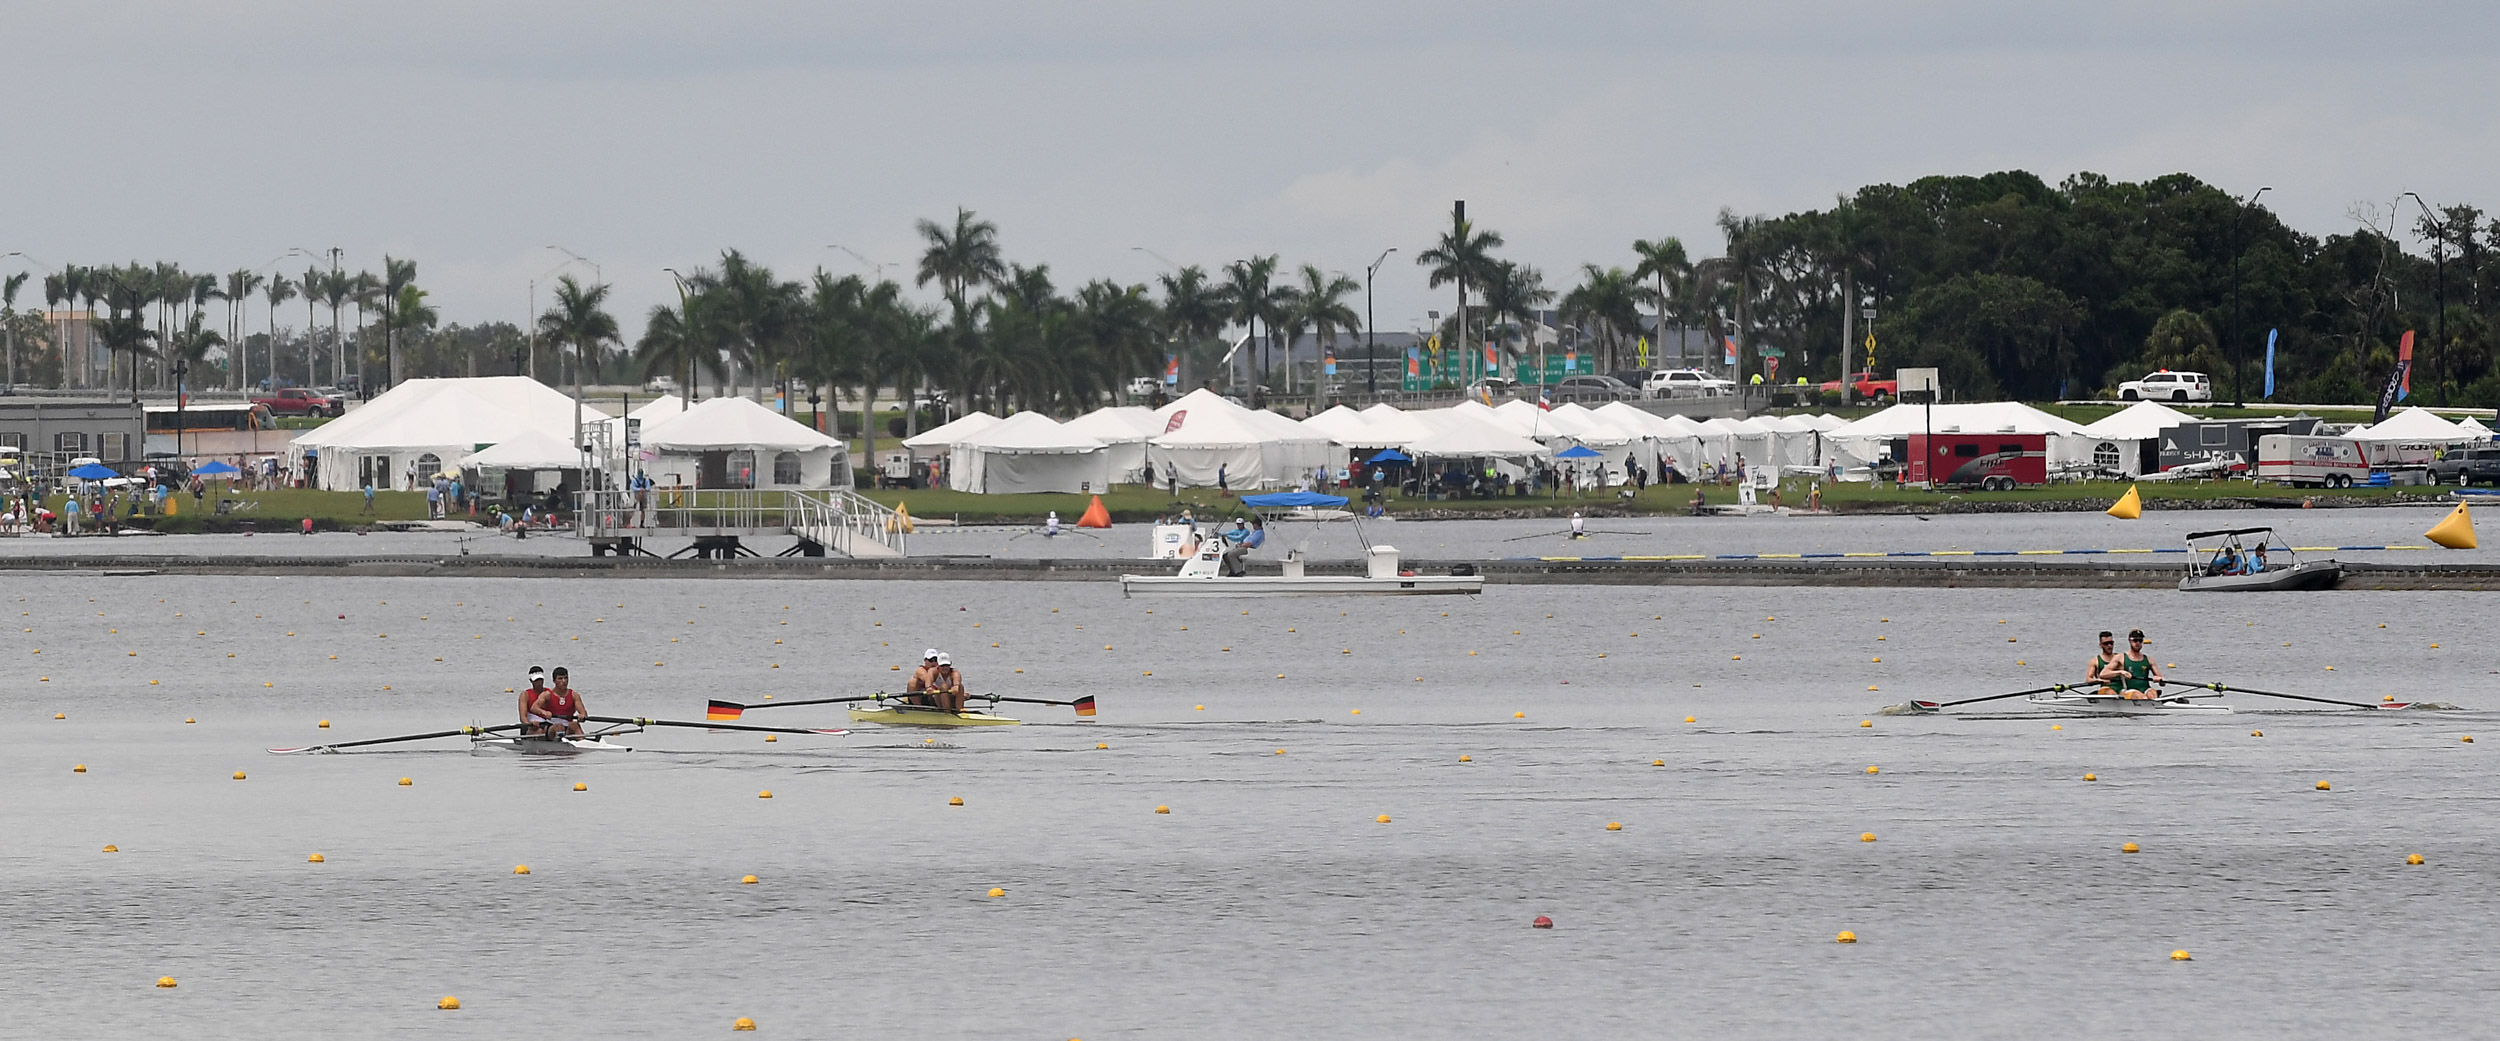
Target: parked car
x=1145 y=387
x=1686 y=383
x=1864 y=385
x=301 y=401
x=661 y=384
x=2168 y=386
x=2470 y=465
x=1497 y=387
x=1592 y=388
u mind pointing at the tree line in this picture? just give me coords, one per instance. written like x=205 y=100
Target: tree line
x=2007 y=285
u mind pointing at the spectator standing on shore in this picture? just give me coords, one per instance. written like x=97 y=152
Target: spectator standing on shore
x=368 y=495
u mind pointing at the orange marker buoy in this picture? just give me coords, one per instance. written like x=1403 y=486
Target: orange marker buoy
x=1541 y=922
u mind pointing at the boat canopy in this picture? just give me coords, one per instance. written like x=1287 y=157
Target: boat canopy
x=2195 y=535
x=1293 y=500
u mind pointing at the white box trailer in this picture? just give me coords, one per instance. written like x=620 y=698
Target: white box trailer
x=2318 y=461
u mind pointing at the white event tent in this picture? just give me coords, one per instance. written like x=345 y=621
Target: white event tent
x=2118 y=441
x=2417 y=424
x=532 y=450
x=737 y=443
x=938 y=439
x=423 y=425
x=1348 y=428
x=1205 y=435
x=1123 y=430
x=1028 y=452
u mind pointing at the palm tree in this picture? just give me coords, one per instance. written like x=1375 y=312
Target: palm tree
x=278 y=291
x=1663 y=262
x=1513 y=300
x=1607 y=300
x=1464 y=256
x=189 y=346
x=1743 y=272
x=1251 y=296
x=1193 y=310
x=313 y=288
x=579 y=317
x=398 y=276
x=1114 y=326
x=962 y=257
x=1320 y=308
x=8 y=320
x=124 y=330
x=241 y=283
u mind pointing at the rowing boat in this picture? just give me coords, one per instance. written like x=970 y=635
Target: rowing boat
x=900 y=715
x=2095 y=703
x=545 y=744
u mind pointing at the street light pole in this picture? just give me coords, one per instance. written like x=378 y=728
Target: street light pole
x=2439 y=264
x=1371 y=353
x=2239 y=374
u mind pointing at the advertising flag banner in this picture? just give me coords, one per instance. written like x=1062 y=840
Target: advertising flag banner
x=2404 y=364
x=1571 y=360
x=2270 y=334
x=2397 y=377
x=1731 y=350
x=1329 y=364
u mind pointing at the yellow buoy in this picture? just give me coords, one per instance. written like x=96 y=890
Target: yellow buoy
x=2413 y=858
x=1383 y=818
x=2057 y=726
x=1690 y=719
x=2129 y=506
x=1873 y=770
x=1466 y=758
x=1280 y=751
x=1614 y=825
x=1845 y=937
x=1200 y=708
x=2468 y=739
x=1163 y=809
x=448 y=1003
x=1657 y=762
x=78 y=769
x=996 y=892
x=748 y=881
x=316 y=859
x=1866 y=836
x=238 y=775
x=1356 y=711
x=2128 y=848
x=323 y=725
x=743 y=1022
x=2256 y=733
x=1099 y=744
x=765 y=794
x=770 y=738
x=405 y=782
x=955 y=801
x=1866 y=722
x=580 y=786
x=1518 y=715
x=2454 y=532
x=165 y=982
x=520 y=869
x=2180 y=956
x=2322 y=786
x=2091 y=777
x=190 y=719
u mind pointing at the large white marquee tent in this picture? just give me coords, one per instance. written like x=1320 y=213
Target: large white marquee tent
x=424 y=426
x=1028 y=452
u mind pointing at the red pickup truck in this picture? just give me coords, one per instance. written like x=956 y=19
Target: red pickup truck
x=1865 y=386
x=300 y=401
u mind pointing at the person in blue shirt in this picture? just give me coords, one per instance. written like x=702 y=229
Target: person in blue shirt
x=1242 y=543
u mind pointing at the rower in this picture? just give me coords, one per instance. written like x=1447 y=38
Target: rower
x=538 y=686
x=559 y=708
x=1050 y=525
x=2140 y=674
x=947 y=686
x=2105 y=670
x=920 y=691
x=1578 y=526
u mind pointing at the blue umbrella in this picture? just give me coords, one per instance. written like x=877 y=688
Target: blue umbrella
x=1391 y=455
x=1578 y=452
x=1284 y=500
x=216 y=468
x=93 y=472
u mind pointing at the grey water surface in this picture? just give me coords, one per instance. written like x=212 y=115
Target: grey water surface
x=1269 y=902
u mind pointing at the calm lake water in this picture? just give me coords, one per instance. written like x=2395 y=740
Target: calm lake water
x=1269 y=902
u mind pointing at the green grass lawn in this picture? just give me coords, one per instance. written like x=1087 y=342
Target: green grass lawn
x=282 y=509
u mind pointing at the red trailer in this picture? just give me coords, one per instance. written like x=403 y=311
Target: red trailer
x=1988 y=462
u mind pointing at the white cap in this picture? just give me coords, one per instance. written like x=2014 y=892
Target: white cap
x=537 y=673
x=928 y=654
x=944 y=660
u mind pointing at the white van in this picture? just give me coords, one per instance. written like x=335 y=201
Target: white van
x=1685 y=383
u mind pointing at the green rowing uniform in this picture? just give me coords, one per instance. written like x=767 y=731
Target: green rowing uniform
x=2139 y=673
x=2100 y=664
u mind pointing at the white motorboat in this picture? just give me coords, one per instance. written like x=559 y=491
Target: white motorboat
x=2095 y=703
x=2229 y=566
x=1203 y=565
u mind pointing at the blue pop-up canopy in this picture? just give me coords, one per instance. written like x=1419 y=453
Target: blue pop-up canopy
x=1579 y=452
x=93 y=472
x=1391 y=455
x=216 y=468
x=1290 y=500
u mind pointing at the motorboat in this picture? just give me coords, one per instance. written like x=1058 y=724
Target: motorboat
x=1202 y=555
x=2219 y=561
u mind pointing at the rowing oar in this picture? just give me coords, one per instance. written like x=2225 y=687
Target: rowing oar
x=1934 y=706
x=1084 y=706
x=718 y=709
x=2226 y=689
x=640 y=722
x=470 y=731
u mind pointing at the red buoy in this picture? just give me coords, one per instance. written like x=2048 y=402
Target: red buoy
x=1541 y=922
x=307 y=525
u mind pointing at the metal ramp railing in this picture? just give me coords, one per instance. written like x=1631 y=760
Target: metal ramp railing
x=846 y=522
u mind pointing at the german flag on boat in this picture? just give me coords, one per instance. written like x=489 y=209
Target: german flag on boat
x=722 y=710
x=1085 y=705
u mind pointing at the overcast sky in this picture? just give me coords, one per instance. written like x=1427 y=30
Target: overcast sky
x=471 y=135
